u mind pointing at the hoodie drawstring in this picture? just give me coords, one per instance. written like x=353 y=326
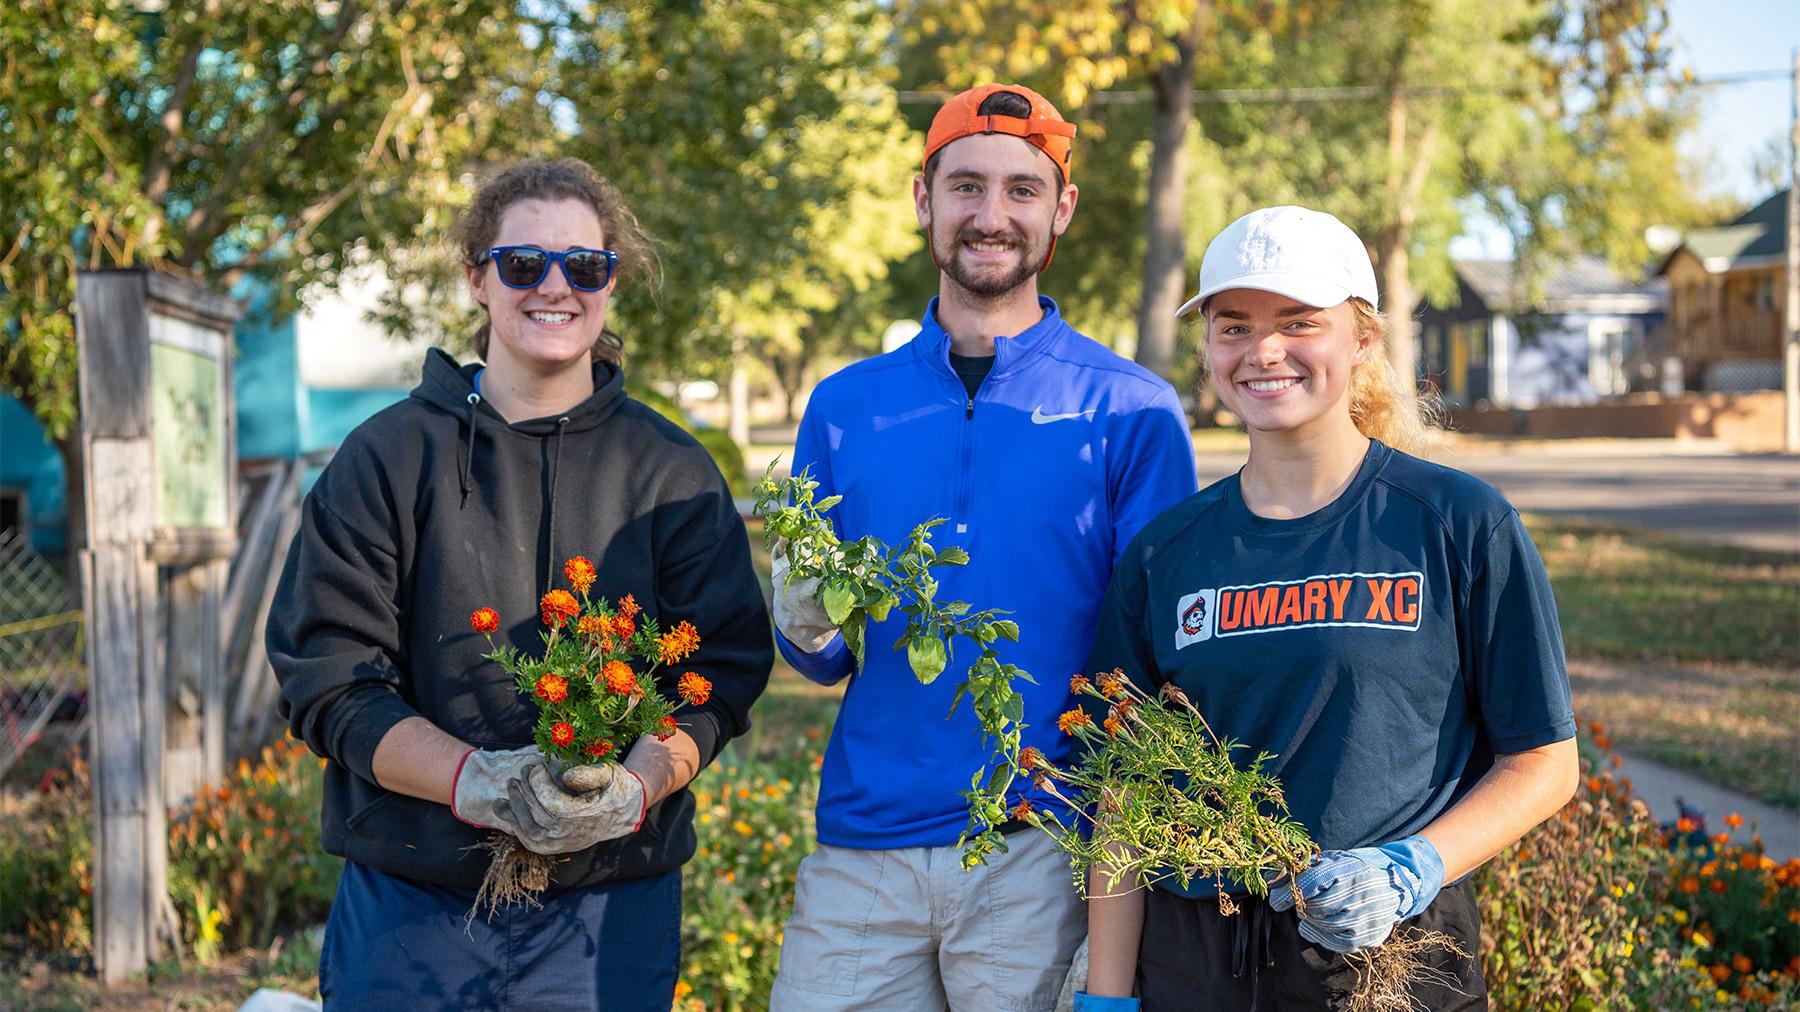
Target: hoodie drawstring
x=469 y=451
x=562 y=425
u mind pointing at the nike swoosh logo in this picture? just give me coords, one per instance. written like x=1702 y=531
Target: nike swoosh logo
x=1039 y=418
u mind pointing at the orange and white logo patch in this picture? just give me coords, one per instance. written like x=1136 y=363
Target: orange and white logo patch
x=1365 y=600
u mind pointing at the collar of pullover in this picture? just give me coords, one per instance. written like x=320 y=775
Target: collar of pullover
x=447 y=386
x=1012 y=353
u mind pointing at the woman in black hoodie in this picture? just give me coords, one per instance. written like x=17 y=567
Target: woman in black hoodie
x=471 y=493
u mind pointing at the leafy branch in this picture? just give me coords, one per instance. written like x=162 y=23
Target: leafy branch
x=866 y=579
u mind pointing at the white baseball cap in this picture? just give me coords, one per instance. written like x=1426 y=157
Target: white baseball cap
x=1306 y=255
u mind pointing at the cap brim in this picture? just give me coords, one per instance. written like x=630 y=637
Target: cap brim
x=1299 y=287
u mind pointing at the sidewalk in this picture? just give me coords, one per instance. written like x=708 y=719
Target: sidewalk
x=1660 y=785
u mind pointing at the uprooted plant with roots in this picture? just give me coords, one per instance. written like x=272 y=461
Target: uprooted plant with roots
x=596 y=693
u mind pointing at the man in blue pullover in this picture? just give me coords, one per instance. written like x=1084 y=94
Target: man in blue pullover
x=1046 y=453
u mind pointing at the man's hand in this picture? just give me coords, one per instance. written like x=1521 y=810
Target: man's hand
x=478 y=794
x=798 y=613
x=1355 y=897
x=552 y=820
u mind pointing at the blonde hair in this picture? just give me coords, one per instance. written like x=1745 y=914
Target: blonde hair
x=1381 y=404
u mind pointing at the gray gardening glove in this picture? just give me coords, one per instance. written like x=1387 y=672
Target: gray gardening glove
x=798 y=613
x=478 y=794
x=553 y=820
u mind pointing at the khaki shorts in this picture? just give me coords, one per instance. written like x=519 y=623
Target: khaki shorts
x=909 y=929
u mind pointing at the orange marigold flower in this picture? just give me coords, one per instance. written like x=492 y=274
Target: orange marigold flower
x=1031 y=758
x=1112 y=725
x=1689 y=885
x=1734 y=820
x=1021 y=811
x=623 y=627
x=552 y=688
x=1721 y=839
x=619 y=677
x=1073 y=720
x=694 y=688
x=580 y=573
x=1594 y=785
x=1741 y=963
x=667 y=729
x=592 y=625
x=1716 y=885
x=1684 y=825
x=1794 y=918
x=1617 y=760
x=562 y=734
x=675 y=645
x=1749 y=861
x=1078 y=684
x=628 y=606
x=484 y=620
x=558 y=607
x=1720 y=972
x=1112 y=683
x=597 y=748
x=1602 y=741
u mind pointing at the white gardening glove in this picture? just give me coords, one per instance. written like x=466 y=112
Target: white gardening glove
x=798 y=613
x=478 y=793
x=553 y=820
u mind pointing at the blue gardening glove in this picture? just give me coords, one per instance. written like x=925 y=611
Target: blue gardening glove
x=1355 y=897
x=1085 y=1002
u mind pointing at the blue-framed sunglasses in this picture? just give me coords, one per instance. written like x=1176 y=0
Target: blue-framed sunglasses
x=527 y=266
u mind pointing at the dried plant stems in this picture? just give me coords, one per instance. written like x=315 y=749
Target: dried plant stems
x=1387 y=974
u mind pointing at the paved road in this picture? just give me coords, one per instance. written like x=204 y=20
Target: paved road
x=1747 y=500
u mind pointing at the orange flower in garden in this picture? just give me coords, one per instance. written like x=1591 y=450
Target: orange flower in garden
x=1794 y=918
x=1602 y=741
x=580 y=573
x=619 y=677
x=623 y=627
x=1741 y=963
x=694 y=688
x=1617 y=761
x=1021 y=811
x=558 y=607
x=1073 y=720
x=597 y=748
x=1749 y=861
x=484 y=620
x=668 y=729
x=1594 y=785
x=1112 y=724
x=592 y=625
x=1689 y=885
x=1078 y=684
x=1721 y=839
x=1031 y=759
x=1716 y=885
x=562 y=734
x=1720 y=972
x=676 y=644
x=1734 y=820
x=551 y=688
x=1684 y=825
x=628 y=606
x=1112 y=683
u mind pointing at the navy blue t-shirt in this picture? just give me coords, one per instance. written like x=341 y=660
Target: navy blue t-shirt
x=1384 y=648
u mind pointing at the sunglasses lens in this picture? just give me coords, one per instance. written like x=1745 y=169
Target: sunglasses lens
x=520 y=268
x=588 y=269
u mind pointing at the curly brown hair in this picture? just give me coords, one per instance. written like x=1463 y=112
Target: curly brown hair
x=557 y=179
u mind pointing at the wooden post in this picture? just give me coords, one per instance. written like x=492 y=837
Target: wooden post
x=154 y=371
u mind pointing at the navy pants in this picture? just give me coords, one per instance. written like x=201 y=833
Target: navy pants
x=393 y=944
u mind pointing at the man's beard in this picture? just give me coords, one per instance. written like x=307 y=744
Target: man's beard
x=987 y=285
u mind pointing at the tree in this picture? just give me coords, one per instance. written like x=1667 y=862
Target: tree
x=228 y=139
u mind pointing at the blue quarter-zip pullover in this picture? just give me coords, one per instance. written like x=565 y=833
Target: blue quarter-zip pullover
x=1043 y=476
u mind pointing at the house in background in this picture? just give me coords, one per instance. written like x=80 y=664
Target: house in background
x=1572 y=348
x=1727 y=294
x=302 y=383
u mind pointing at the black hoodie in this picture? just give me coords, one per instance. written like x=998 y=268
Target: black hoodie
x=436 y=507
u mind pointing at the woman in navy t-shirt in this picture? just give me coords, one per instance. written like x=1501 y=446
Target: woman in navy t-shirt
x=1381 y=625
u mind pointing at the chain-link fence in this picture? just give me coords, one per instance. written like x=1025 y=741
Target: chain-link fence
x=42 y=674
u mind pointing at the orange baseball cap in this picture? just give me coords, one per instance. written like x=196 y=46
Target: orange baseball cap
x=1046 y=130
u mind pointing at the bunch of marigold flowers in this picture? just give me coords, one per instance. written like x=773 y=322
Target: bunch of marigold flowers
x=1162 y=795
x=593 y=685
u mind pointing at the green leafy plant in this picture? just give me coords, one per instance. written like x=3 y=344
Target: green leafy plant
x=865 y=580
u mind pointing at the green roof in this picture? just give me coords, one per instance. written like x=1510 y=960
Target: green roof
x=1758 y=232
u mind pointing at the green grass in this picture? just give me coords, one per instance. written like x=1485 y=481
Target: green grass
x=1687 y=653
x=1632 y=595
